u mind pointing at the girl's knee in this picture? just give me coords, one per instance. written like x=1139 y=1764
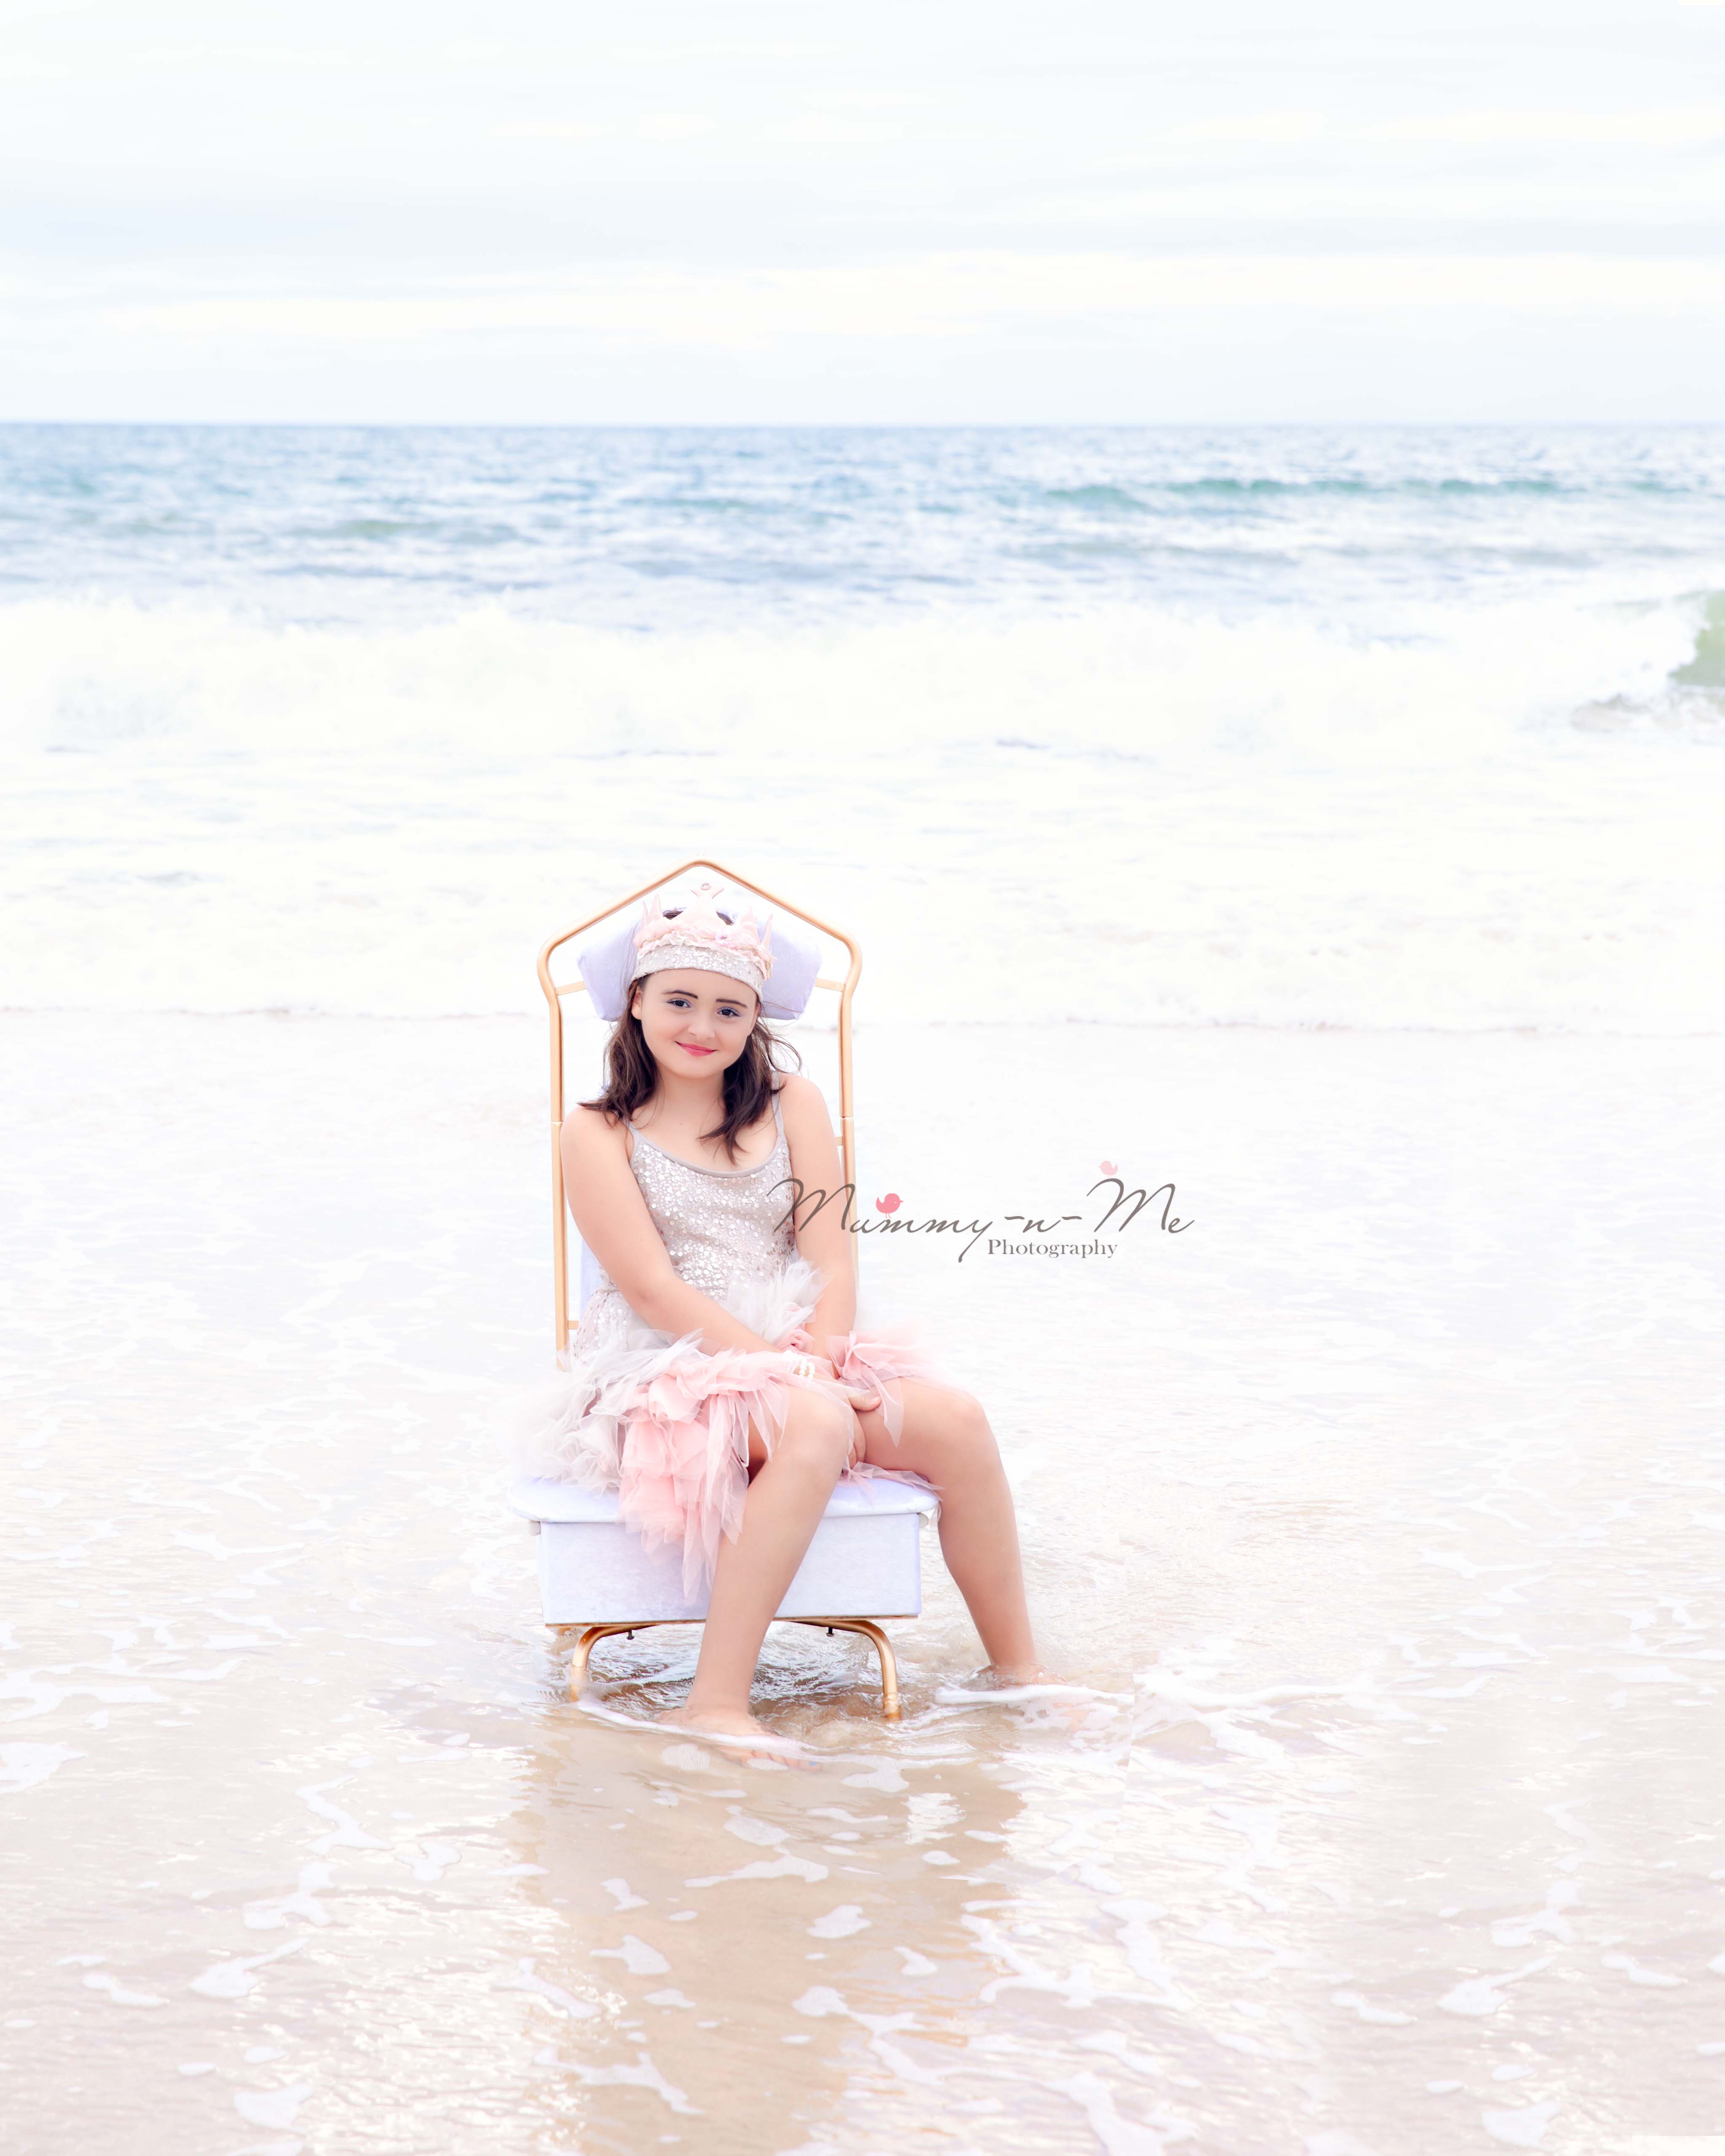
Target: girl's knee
x=969 y=1421
x=965 y=1435
x=819 y=1426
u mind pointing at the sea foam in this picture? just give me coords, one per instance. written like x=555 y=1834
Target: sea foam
x=88 y=676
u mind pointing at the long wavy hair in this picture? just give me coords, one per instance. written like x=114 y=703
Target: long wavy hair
x=632 y=1072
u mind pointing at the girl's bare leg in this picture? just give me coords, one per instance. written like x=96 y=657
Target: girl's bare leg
x=946 y=1438
x=780 y=1514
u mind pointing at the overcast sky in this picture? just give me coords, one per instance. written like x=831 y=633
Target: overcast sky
x=762 y=210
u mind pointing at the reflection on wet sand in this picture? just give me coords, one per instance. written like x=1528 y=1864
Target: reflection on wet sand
x=790 y=1924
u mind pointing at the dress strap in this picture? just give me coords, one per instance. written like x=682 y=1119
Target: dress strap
x=776 y=1116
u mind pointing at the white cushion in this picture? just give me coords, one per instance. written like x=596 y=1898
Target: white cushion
x=865 y=1559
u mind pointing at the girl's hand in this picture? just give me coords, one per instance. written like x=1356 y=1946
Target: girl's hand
x=858 y=1400
x=859 y=1403
x=859 y=1441
x=801 y=1345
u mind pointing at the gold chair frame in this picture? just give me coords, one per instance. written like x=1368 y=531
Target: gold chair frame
x=555 y=992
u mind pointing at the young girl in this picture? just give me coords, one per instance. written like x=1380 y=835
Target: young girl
x=716 y=1380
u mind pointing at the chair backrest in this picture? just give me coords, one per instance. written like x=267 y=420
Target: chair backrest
x=556 y=994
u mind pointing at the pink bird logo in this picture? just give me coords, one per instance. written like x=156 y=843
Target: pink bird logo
x=1109 y=1168
x=889 y=1203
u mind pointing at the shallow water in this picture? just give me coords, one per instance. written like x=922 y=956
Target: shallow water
x=1382 y=1514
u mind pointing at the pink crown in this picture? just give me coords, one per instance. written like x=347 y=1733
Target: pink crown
x=699 y=935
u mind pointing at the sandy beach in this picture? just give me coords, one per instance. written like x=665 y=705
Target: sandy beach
x=1379 y=1514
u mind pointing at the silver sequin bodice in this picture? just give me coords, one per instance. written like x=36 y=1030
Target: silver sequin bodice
x=720 y=1226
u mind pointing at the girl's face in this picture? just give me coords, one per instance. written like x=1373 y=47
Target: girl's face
x=696 y=1023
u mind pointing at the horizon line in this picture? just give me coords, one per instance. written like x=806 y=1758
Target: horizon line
x=866 y=426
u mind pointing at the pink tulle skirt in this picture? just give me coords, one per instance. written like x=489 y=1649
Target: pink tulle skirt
x=666 y=1424
x=683 y=1465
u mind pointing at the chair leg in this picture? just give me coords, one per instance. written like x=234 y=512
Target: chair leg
x=882 y=1646
x=889 y=1665
x=591 y=1636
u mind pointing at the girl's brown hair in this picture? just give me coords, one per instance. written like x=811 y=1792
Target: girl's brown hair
x=632 y=1072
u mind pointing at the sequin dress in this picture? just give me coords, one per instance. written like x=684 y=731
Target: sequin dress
x=722 y=1228
x=656 y=1417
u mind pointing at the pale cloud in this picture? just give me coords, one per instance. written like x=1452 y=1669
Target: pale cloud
x=836 y=130
x=1671 y=128
x=944 y=296
x=547 y=131
x=650 y=127
x=1255 y=127
x=1397 y=203
x=672 y=126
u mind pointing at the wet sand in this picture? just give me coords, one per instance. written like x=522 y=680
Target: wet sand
x=1381 y=1512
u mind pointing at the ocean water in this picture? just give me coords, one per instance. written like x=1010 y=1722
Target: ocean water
x=1325 y=822
x=1289 y=728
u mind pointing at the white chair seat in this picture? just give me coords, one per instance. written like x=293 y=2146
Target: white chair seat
x=865 y=1560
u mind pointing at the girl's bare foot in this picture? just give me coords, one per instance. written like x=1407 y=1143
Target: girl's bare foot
x=1009 y=1681
x=732 y=1727
x=1016 y=1673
